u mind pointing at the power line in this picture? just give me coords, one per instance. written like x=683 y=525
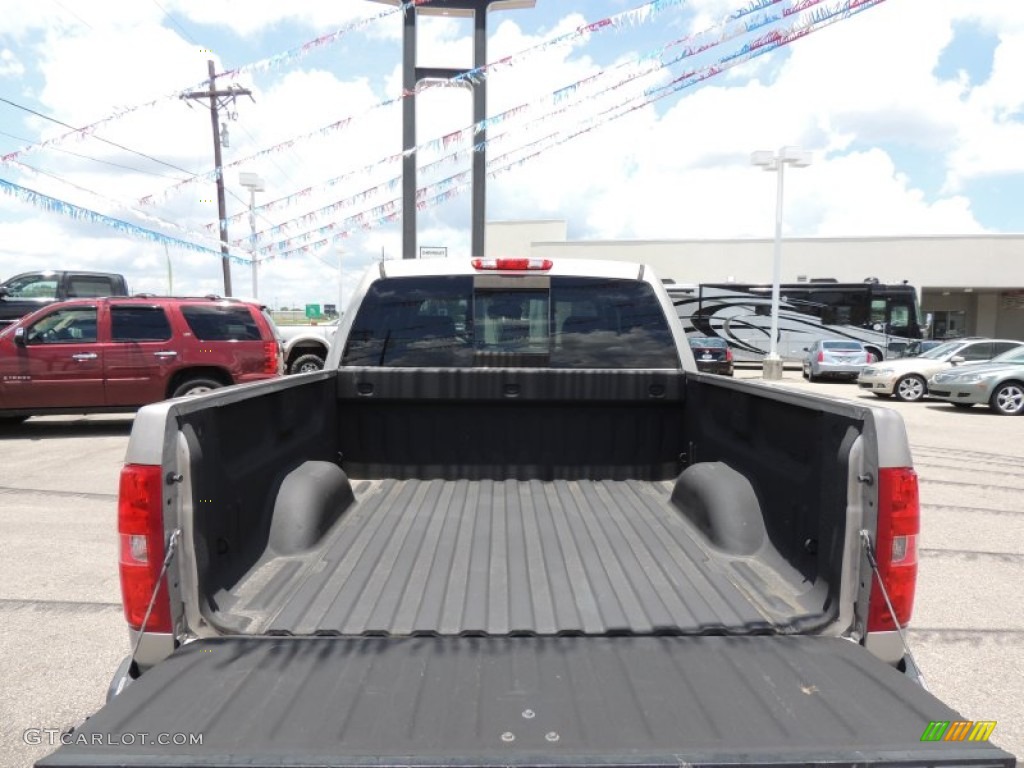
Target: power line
x=270 y=157
x=98 y=138
x=68 y=10
x=175 y=23
x=109 y=162
x=92 y=159
x=41 y=172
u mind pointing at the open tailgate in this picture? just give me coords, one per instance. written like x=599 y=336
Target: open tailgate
x=520 y=701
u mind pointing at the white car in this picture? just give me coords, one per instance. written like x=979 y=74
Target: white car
x=306 y=346
x=907 y=377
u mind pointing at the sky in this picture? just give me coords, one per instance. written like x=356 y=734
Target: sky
x=637 y=129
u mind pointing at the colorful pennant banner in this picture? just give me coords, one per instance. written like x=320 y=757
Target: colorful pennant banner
x=818 y=19
x=453 y=186
x=71 y=211
x=308 y=47
x=652 y=62
x=736 y=24
x=634 y=16
x=258 y=66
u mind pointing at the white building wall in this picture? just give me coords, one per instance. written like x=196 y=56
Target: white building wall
x=1010 y=316
x=981 y=261
x=942 y=267
x=516 y=238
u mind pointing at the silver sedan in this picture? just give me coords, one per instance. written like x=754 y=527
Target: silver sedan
x=834 y=357
x=998 y=383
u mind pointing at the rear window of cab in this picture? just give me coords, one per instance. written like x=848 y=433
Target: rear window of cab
x=557 y=322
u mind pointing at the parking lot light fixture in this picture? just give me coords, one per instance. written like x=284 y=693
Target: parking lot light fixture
x=777 y=162
x=254 y=184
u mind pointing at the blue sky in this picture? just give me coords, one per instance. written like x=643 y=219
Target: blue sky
x=914 y=111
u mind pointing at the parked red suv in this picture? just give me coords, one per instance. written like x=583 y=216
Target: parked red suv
x=117 y=354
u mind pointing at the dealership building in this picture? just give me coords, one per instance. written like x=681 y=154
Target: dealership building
x=971 y=285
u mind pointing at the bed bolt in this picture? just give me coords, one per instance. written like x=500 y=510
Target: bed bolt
x=552 y=736
x=867 y=478
x=174 y=477
x=529 y=714
x=508 y=736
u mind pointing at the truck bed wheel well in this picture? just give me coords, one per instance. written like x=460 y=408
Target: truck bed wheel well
x=722 y=503
x=308 y=501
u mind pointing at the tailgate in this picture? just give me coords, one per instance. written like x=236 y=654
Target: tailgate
x=526 y=701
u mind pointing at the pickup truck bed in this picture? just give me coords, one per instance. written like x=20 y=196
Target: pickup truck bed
x=526 y=701
x=479 y=557
x=516 y=558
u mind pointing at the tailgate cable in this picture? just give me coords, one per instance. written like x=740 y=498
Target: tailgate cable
x=171 y=545
x=869 y=550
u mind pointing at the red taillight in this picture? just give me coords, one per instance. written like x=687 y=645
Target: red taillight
x=513 y=265
x=728 y=354
x=899 y=522
x=271 y=358
x=140 y=523
x=821 y=356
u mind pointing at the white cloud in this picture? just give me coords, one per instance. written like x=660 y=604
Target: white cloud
x=10 y=66
x=856 y=94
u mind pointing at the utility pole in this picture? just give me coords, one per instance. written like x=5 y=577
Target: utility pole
x=219 y=99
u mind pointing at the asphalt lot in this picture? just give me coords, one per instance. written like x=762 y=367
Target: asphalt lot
x=62 y=631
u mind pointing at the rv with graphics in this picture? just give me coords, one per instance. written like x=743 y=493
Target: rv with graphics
x=885 y=318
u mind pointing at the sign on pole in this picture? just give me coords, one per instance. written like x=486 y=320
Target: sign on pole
x=312 y=311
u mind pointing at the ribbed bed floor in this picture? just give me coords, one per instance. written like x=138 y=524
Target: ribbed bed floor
x=514 y=557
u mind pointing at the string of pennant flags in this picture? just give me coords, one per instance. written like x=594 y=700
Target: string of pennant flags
x=110 y=201
x=262 y=65
x=651 y=61
x=655 y=64
x=634 y=16
x=455 y=185
x=301 y=51
x=431 y=196
x=388 y=186
x=79 y=213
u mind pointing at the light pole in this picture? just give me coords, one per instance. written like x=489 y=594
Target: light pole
x=777 y=162
x=254 y=184
x=341 y=291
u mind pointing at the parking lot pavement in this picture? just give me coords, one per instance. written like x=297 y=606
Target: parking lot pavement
x=62 y=632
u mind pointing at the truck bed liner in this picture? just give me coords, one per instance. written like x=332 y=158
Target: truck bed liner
x=527 y=701
x=458 y=557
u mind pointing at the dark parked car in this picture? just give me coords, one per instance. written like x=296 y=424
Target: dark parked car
x=712 y=354
x=110 y=355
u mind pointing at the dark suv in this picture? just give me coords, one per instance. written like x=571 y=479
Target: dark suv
x=117 y=354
